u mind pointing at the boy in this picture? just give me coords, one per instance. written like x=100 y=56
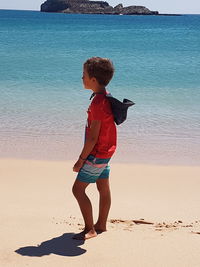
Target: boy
x=100 y=144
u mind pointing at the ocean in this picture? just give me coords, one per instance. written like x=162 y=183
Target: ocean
x=43 y=104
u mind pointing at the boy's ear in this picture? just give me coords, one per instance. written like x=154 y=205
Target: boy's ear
x=94 y=79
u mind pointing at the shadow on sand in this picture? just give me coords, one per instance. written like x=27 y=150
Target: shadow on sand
x=63 y=245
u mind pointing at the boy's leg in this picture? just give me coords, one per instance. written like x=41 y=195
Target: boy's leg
x=86 y=210
x=104 y=203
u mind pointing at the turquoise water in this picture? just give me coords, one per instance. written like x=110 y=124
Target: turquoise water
x=43 y=103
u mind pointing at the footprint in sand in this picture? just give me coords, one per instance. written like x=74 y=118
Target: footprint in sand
x=141 y=221
x=128 y=224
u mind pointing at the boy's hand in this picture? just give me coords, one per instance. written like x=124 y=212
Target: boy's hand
x=78 y=165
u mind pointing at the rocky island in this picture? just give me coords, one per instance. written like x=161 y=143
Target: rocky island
x=93 y=7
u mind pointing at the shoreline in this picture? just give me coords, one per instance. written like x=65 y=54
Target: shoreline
x=112 y=162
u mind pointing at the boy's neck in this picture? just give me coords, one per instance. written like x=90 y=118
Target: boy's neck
x=99 y=90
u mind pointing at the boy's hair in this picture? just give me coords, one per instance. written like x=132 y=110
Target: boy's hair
x=100 y=68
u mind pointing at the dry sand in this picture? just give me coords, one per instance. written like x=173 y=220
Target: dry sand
x=39 y=215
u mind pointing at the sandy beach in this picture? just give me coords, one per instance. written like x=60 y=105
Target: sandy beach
x=154 y=218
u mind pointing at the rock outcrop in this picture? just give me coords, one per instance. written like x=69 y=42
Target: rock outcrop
x=93 y=7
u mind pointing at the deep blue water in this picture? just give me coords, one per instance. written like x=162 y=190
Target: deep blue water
x=43 y=103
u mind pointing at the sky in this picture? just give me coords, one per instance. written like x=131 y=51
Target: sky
x=163 y=6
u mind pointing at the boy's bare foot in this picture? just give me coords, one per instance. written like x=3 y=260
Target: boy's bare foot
x=85 y=235
x=99 y=229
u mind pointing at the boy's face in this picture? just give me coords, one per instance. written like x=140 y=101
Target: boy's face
x=87 y=81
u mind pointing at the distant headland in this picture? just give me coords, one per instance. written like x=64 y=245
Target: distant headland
x=93 y=7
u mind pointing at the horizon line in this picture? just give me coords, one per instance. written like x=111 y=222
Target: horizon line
x=36 y=10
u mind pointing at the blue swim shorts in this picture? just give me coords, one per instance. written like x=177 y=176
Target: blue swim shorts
x=93 y=169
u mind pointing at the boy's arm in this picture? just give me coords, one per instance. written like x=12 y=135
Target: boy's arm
x=89 y=144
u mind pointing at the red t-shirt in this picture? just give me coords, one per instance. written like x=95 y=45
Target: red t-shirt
x=100 y=109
